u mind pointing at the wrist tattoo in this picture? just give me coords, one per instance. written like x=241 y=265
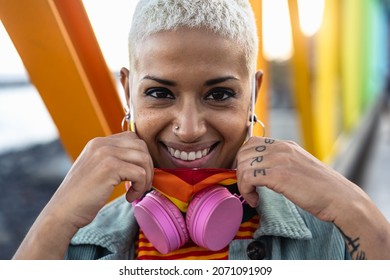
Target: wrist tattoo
x=259 y=171
x=353 y=246
x=269 y=140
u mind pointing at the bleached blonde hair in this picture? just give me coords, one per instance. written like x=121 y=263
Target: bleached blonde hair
x=231 y=19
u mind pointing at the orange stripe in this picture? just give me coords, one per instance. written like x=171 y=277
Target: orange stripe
x=206 y=255
x=186 y=253
x=164 y=182
x=224 y=257
x=213 y=180
x=248 y=228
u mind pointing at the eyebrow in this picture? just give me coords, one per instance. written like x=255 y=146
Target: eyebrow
x=173 y=83
x=160 y=81
x=219 y=80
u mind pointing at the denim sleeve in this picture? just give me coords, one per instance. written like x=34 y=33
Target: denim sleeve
x=86 y=252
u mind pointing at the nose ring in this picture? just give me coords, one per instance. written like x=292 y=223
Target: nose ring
x=176 y=127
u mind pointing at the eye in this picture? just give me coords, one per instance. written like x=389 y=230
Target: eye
x=159 y=93
x=220 y=94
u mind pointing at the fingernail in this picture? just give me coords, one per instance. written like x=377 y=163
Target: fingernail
x=127 y=185
x=253 y=202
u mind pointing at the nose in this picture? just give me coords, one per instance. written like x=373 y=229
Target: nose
x=189 y=125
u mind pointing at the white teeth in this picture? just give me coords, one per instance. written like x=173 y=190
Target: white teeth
x=191 y=156
x=176 y=154
x=188 y=156
x=184 y=156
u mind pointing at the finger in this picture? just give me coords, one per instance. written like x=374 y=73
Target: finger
x=137 y=188
x=256 y=140
x=126 y=139
x=120 y=146
x=136 y=157
x=138 y=178
x=142 y=158
x=255 y=147
x=247 y=181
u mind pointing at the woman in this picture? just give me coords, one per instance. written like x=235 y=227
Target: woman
x=190 y=87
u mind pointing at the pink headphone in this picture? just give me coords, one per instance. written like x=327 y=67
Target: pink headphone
x=213 y=218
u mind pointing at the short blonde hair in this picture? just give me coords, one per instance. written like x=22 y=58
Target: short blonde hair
x=231 y=19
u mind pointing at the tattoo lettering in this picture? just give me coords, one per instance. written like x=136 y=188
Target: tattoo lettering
x=354 y=247
x=259 y=171
x=269 y=141
x=257 y=159
x=261 y=148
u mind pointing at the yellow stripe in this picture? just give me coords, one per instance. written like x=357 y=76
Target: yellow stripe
x=228 y=182
x=209 y=257
x=244 y=234
x=183 y=206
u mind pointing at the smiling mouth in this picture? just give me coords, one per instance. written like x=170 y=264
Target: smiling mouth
x=192 y=155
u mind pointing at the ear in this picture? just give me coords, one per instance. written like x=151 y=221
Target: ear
x=259 y=80
x=124 y=78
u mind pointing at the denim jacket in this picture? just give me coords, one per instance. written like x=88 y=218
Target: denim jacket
x=285 y=232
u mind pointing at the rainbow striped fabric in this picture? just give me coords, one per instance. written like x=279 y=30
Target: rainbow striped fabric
x=180 y=185
x=190 y=251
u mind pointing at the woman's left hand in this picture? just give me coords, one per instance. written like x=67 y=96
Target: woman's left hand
x=286 y=168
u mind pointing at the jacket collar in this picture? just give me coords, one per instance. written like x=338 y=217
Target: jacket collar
x=279 y=217
x=114 y=228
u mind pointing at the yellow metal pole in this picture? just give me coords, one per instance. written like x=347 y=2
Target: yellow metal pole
x=326 y=84
x=301 y=80
x=351 y=61
x=261 y=107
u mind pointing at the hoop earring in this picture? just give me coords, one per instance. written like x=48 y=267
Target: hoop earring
x=126 y=119
x=256 y=120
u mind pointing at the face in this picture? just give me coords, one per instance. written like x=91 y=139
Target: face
x=191 y=96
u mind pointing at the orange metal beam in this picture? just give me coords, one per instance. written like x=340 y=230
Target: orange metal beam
x=62 y=57
x=57 y=45
x=77 y=25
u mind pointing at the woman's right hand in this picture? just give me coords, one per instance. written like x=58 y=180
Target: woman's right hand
x=103 y=164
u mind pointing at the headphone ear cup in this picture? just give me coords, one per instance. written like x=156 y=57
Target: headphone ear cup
x=214 y=217
x=161 y=221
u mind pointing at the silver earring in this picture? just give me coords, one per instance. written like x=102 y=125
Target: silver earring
x=126 y=119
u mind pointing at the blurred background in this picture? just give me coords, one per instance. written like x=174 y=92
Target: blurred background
x=326 y=86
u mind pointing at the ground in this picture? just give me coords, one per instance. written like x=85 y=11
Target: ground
x=28 y=178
